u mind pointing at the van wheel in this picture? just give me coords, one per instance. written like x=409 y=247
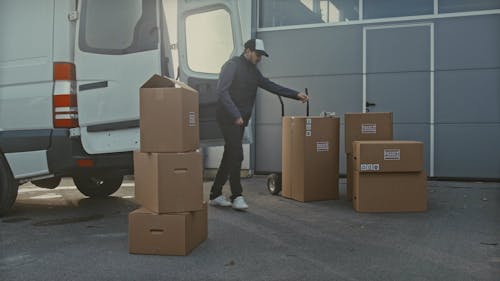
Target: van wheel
x=97 y=186
x=8 y=187
x=49 y=183
x=274 y=183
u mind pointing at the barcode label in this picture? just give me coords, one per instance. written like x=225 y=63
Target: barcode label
x=392 y=154
x=192 y=119
x=368 y=128
x=322 y=146
x=308 y=127
x=370 y=167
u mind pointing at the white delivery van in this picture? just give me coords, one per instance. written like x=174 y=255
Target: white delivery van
x=70 y=73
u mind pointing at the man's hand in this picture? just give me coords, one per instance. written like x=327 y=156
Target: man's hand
x=239 y=121
x=303 y=97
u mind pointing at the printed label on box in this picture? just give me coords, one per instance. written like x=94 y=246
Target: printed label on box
x=308 y=127
x=368 y=128
x=192 y=119
x=322 y=146
x=370 y=167
x=392 y=154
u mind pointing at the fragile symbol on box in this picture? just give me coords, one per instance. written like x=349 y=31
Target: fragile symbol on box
x=370 y=167
x=322 y=146
x=368 y=128
x=392 y=154
x=192 y=119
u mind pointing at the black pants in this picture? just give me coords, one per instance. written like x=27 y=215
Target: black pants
x=230 y=164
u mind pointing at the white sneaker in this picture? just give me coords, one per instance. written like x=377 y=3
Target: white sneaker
x=239 y=203
x=220 y=201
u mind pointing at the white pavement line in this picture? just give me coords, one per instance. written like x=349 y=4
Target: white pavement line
x=32 y=189
x=47 y=196
x=28 y=189
x=66 y=187
x=13 y=259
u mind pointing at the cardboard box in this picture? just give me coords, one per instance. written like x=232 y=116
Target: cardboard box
x=389 y=176
x=364 y=126
x=388 y=156
x=169 y=182
x=390 y=192
x=367 y=126
x=168 y=116
x=310 y=158
x=166 y=234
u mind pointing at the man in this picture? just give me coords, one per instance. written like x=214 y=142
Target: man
x=236 y=88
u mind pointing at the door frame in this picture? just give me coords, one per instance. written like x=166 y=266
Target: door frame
x=431 y=80
x=241 y=17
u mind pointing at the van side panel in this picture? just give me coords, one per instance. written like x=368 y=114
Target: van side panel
x=26 y=84
x=26 y=64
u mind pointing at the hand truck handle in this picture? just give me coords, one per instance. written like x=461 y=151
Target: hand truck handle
x=307 y=108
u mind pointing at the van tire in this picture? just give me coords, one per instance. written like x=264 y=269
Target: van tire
x=8 y=187
x=49 y=183
x=92 y=186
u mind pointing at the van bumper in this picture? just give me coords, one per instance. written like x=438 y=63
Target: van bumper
x=65 y=152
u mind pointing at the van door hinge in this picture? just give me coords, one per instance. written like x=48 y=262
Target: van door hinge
x=73 y=15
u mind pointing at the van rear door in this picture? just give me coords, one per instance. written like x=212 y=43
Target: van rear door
x=118 y=47
x=209 y=33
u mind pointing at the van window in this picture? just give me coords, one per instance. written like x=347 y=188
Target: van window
x=452 y=6
x=287 y=12
x=118 y=26
x=209 y=40
x=373 y=9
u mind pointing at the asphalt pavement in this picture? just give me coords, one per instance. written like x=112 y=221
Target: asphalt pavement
x=60 y=234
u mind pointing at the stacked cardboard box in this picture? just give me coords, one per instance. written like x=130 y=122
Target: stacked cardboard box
x=310 y=158
x=364 y=126
x=389 y=176
x=168 y=172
